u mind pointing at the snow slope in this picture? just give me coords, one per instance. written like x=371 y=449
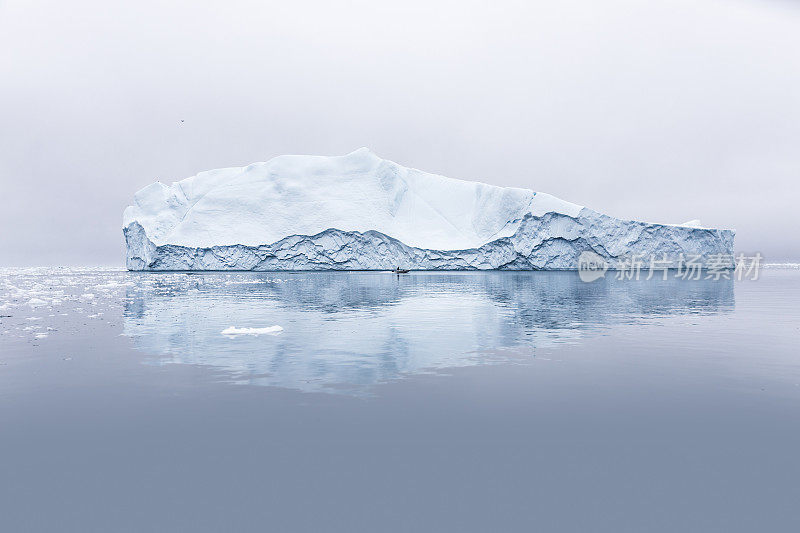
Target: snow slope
x=360 y=211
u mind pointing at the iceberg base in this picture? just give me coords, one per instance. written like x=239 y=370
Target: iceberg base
x=553 y=241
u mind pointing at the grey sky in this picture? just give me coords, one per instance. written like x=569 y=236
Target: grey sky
x=656 y=110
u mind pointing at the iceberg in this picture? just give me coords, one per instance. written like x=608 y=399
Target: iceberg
x=362 y=212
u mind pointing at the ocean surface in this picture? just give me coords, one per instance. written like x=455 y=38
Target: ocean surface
x=450 y=401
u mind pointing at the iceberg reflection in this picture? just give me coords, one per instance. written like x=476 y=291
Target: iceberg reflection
x=349 y=331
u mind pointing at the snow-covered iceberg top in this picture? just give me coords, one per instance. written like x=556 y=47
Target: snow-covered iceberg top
x=339 y=206
x=304 y=195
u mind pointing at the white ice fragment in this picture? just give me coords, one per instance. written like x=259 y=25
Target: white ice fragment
x=233 y=331
x=112 y=285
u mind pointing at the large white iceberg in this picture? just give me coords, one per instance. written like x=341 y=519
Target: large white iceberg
x=361 y=212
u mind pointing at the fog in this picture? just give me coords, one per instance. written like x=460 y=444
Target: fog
x=657 y=110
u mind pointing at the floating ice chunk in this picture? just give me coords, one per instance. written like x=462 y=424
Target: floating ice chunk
x=373 y=214
x=781 y=265
x=233 y=331
x=111 y=285
x=36 y=302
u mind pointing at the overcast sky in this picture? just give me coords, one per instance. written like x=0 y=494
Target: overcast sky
x=657 y=110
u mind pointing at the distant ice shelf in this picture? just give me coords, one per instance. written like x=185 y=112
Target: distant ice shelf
x=361 y=212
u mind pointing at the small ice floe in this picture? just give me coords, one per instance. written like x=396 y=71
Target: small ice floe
x=795 y=266
x=111 y=285
x=87 y=296
x=36 y=302
x=40 y=335
x=233 y=331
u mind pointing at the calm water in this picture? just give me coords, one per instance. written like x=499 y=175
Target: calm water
x=428 y=401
